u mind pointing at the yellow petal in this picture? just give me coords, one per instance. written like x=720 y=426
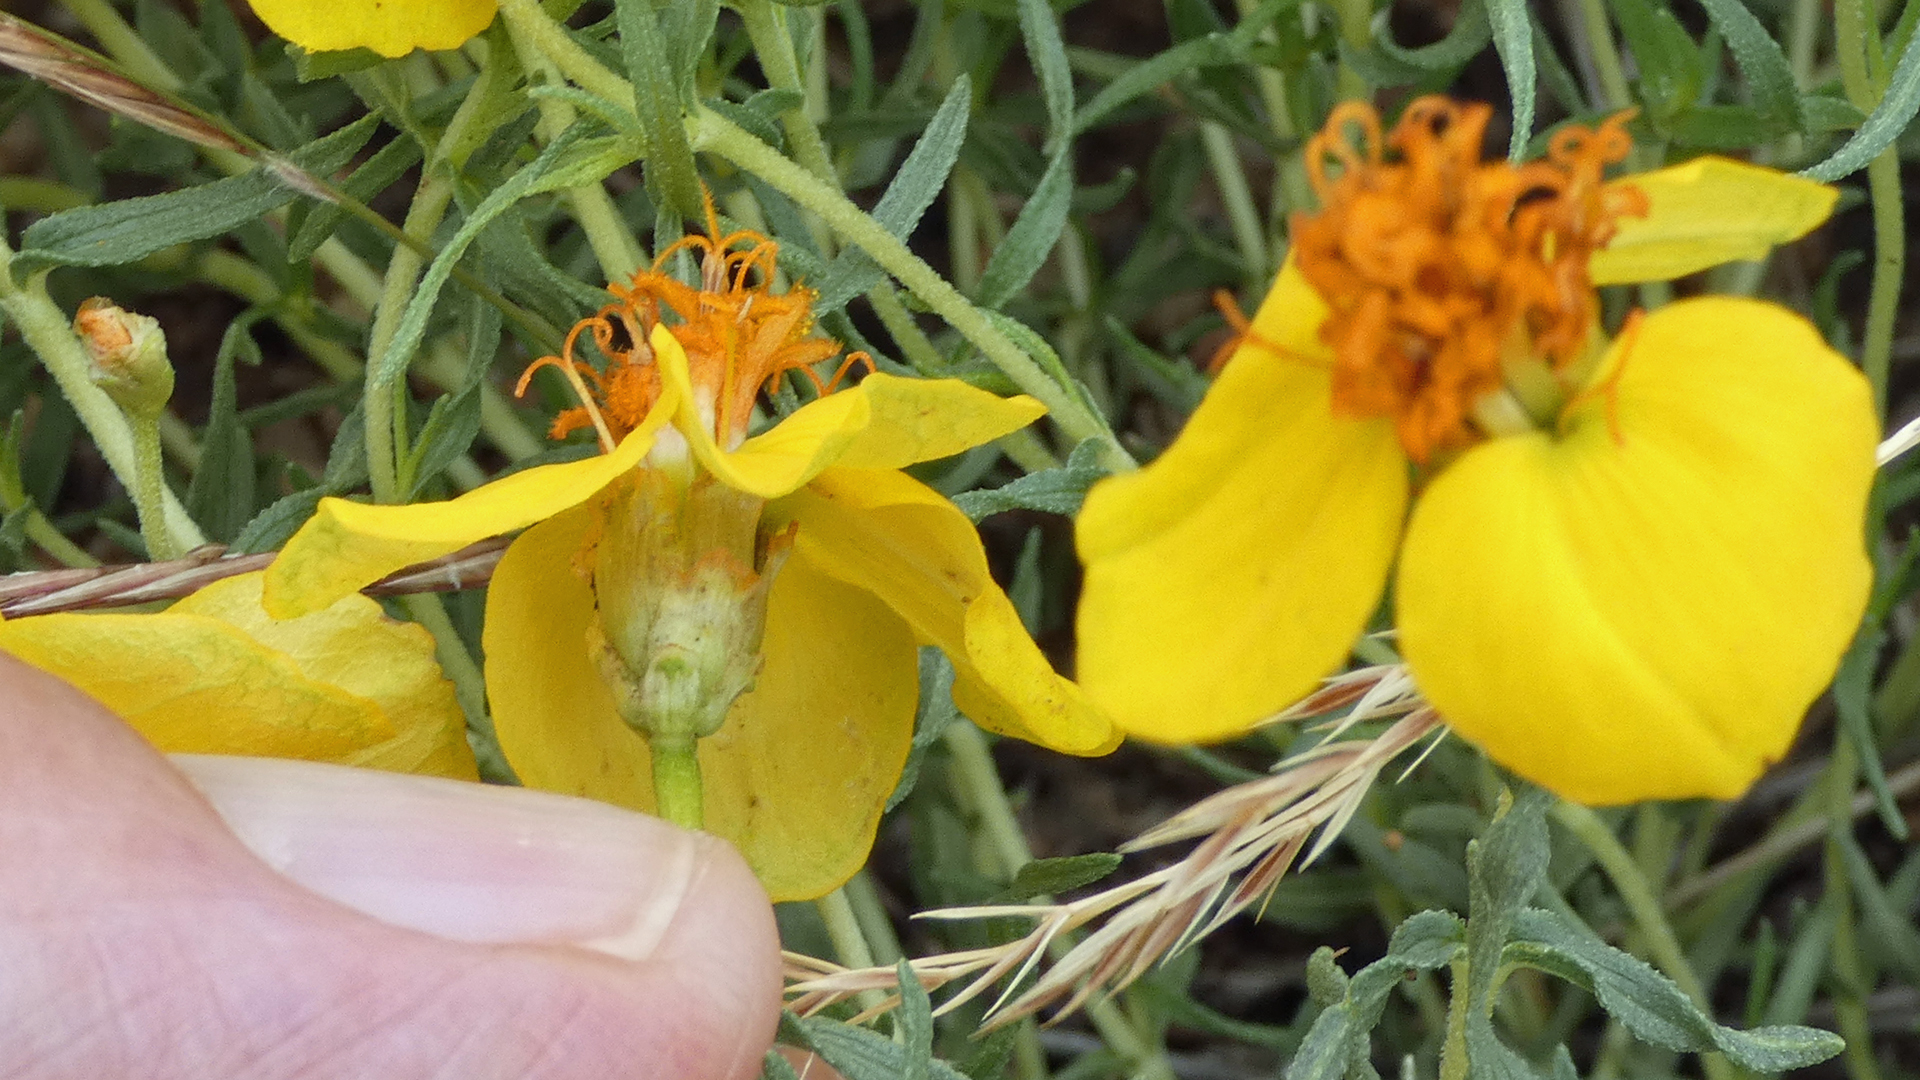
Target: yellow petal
x=352 y=645
x=799 y=773
x=347 y=546
x=915 y=420
x=1235 y=571
x=1706 y=212
x=886 y=533
x=883 y=423
x=1650 y=617
x=195 y=684
x=555 y=718
x=795 y=777
x=388 y=27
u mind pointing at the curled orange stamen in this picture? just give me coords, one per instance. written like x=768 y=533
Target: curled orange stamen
x=1244 y=334
x=1609 y=387
x=1439 y=268
x=740 y=336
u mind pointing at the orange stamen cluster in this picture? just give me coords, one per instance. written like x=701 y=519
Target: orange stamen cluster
x=1439 y=268
x=739 y=336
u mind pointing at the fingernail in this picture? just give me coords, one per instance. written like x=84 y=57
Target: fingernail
x=461 y=860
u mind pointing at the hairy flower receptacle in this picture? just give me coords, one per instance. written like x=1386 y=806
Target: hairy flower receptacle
x=680 y=575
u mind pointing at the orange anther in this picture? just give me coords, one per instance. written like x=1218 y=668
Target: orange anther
x=1437 y=265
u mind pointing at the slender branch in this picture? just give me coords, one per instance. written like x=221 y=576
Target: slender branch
x=711 y=132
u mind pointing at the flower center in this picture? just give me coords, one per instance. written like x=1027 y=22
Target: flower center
x=739 y=336
x=1443 y=272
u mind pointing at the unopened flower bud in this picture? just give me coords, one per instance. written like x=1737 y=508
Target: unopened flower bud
x=681 y=578
x=127 y=353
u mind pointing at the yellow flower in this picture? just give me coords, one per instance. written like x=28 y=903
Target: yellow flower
x=865 y=563
x=214 y=674
x=388 y=27
x=1629 y=565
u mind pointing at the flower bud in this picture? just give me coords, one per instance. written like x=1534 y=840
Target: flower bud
x=127 y=355
x=681 y=579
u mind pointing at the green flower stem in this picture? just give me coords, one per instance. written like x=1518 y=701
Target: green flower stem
x=1852 y=980
x=1273 y=85
x=1889 y=267
x=876 y=928
x=914 y=342
x=612 y=241
x=843 y=926
x=149 y=490
x=53 y=541
x=14 y=500
x=980 y=779
x=773 y=45
x=1230 y=178
x=963 y=229
x=1604 y=55
x=1637 y=893
x=49 y=333
x=714 y=133
x=1356 y=29
x=678 y=793
x=549 y=39
x=850 y=943
x=1025 y=449
x=469 y=684
x=1863 y=73
x=383 y=416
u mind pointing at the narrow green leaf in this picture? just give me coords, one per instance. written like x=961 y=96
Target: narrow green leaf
x=934 y=713
x=1050 y=491
x=912 y=191
x=1031 y=239
x=220 y=497
x=1648 y=1003
x=277 y=523
x=1040 y=29
x=688 y=26
x=1888 y=119
x=1327 y=1050
x=860 y=1054
x=449 y=430
x=115 y=233
x=775 y=1067
x=1890 y=934
x=375 y=175
x=1671 y=70
x=1504 y=867
x=1853 y=701
x=568 y=161
x=1156 y=71
x=913 y=1023
x=1513 y=40
x=1769 y=75
x=1471 y=32
x=671 y=173
x=1051 y=877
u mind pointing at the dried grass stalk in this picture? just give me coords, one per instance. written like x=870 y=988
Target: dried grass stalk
x=1248 y=836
